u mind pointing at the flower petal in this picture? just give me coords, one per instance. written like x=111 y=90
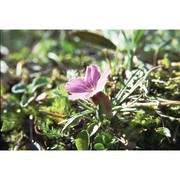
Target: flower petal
x=76 y=86
x=102 y=81
x=84 y=95
x=92 y=76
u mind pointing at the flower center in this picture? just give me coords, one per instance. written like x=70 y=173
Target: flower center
x=91 y=87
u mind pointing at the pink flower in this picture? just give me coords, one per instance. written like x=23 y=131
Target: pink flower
x=92 y=84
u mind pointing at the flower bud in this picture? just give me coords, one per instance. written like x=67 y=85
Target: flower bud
x=101 y=99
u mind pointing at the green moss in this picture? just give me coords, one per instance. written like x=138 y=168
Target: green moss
x=169 y=89
x=49 y=130
x=143 y=123
x=12 y=115
x=60 y=105
x=146 y=119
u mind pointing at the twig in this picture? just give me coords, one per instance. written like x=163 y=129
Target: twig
x=54 y=114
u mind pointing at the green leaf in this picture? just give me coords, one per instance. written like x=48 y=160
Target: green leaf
x=95 y=39
x=99 y=146
x=99 y=112
x=92 y=128
x=25 y=100
x=82 y=140
x=98 y=138
x=74 y=117
x=118 y=98
x=37 y=83
x=164 y=131
x=18 y=88
x=135 y=86
x=138 y=36
x=106 y=138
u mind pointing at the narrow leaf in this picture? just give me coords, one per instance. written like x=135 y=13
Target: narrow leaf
x=92 y=129
x=129 y=81
x=18 y=88
x=37 y=83
x=94 y=38
x=138 y=37
x=25 y=100
x=74 y=117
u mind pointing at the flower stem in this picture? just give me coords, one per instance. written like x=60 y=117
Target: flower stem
x=85 y=106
